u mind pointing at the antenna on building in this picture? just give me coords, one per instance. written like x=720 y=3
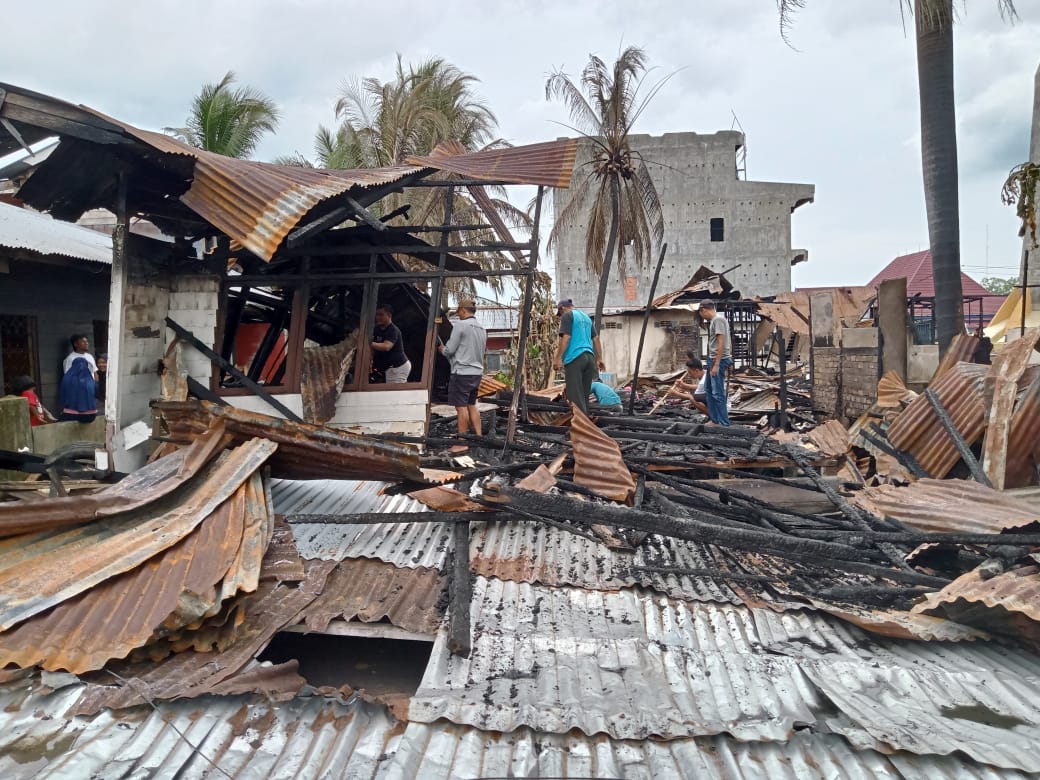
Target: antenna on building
x=742 y=151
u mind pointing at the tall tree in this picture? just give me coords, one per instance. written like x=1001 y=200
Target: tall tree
x=933 y=25
x=227 y=120
x=423 y=106
x=615 y=187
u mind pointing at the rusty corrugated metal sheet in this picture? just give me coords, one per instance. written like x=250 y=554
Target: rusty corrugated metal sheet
x=304 y=451
x=182 y=585
x=149 y=483
x=892 y=392
x=948 y=505
x=831 y=438
x=1001 y=393
x=323 y=370
x=598 y=464
x=273 y=606
x=54 y=568
x=1008 y=603
x=917 y=429
x=549 y=163
x=489 y=386
x=370 y=590
x=1023 y=446
x=961 y=350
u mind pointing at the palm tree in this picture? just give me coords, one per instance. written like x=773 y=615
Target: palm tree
x=228 y=121
x=615 y=186
x=933 y=23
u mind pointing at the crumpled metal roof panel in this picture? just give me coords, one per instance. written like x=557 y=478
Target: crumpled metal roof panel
x=917 y=429
x=370 y=590
x=635 y=666
x=948 y=505
x=312 y=736
x=598 y=464
x=549 y=163
x=533 y=553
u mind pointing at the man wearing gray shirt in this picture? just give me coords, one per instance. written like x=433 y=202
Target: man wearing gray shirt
x=465 y=350
x=720 y=358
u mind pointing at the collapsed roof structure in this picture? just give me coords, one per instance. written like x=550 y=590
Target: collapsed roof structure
x=625 y=596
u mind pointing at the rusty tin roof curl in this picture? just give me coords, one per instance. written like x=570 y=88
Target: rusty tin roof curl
x=549 y=163
x=918 y=429
x=598 y=464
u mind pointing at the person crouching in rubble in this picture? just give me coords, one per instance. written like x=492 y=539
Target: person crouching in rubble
x=603 y=397
x=691 y=385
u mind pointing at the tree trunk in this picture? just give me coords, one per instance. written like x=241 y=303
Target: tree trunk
x=608 y=256
x=939 y=163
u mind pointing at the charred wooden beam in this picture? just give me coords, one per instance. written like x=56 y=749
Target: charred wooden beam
x=190 y=337
x=955 y=436
x=460 y=594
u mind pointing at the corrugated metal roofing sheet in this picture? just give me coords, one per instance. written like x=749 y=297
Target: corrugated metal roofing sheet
x=178 y=587
x=315 y=737
x=408 y=545
x=633 y=666
x=39 y=234
x=946 y=505
x=370 y=590
x=918 y=431
x=549 y=163
x=534 y=553
x=598 y=464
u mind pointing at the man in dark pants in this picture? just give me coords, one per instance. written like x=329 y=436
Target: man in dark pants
x=388 y=354
x=720 y=358
x=579 y=353
x=465 y=350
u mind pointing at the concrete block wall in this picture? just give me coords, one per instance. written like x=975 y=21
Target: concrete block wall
x=143 y=346
x=696 y=179
x=844 y=379
x=826 y=384
x=193 y=304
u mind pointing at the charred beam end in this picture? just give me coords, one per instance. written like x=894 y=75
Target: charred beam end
x=190 y=337
x=955 y=436
x=460 y=594
x=877 y=437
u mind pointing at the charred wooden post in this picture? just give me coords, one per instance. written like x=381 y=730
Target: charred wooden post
x=642 y=332
x=525 y=324
x=460 y=594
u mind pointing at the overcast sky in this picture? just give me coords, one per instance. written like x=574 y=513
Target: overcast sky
x=839 y=112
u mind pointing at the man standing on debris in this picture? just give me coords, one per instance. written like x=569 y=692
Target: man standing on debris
x=579 y=353
x=80 y=345
x=465 y=351
x=388 y=347
x=720 y=358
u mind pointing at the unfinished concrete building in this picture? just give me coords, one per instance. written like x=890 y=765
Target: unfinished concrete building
x=713 y=217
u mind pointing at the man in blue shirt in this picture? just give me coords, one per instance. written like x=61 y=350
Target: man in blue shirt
x=604 y=397
x=579 y=353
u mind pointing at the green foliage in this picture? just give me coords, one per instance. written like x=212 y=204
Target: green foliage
x=614 y=189
x=228 y=121
x=999 y=286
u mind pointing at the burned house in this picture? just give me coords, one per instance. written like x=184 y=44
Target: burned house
x=275 y=310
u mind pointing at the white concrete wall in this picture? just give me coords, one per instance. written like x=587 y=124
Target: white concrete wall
x=193 y=305
x=144 y=308
x=620 y=345
x=370 y=411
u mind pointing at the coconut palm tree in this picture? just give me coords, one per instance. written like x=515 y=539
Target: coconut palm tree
x=228 y=121
x=615 y=186
x=933 y=23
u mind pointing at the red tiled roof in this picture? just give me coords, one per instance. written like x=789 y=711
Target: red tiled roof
x=917 y=268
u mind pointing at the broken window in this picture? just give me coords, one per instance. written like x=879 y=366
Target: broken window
x=718 y=229
x=256 y=334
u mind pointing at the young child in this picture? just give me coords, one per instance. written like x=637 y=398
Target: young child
x=25 y=387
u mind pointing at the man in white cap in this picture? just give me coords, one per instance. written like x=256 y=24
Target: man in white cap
x=579 y=353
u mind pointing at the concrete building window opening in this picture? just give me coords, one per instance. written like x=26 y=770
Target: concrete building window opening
x=718 y=226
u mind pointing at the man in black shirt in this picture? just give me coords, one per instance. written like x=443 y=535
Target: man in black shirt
x=387 y=348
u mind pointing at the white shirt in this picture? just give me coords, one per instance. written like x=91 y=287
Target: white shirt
x=65 y=366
